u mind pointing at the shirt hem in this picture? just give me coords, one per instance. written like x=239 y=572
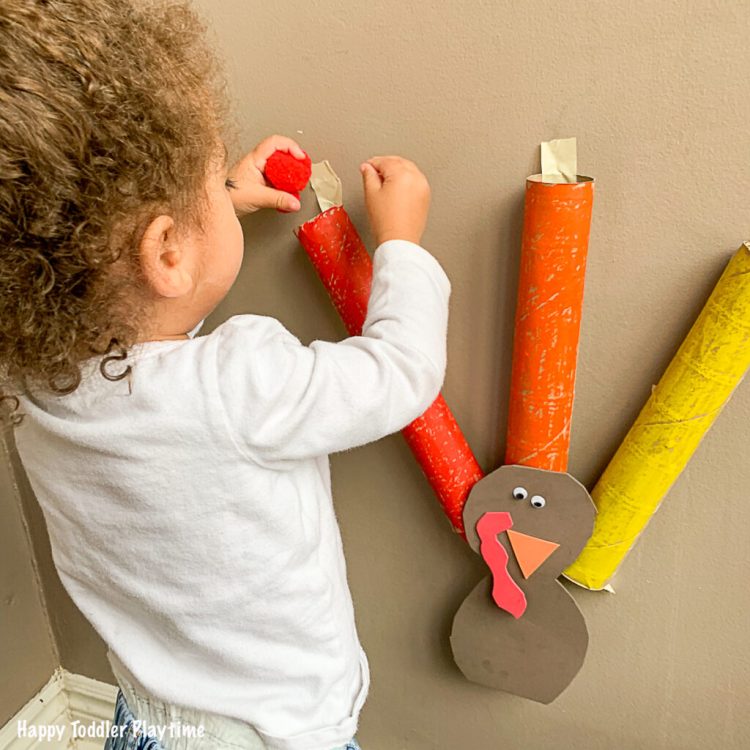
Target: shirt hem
x=331 y=737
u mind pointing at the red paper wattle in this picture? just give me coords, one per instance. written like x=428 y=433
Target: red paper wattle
x=506 y=593
x=435 y=439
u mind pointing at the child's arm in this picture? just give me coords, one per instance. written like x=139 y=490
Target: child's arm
x=285 y=401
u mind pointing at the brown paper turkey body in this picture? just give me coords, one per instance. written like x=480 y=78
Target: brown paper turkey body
x=519 y=630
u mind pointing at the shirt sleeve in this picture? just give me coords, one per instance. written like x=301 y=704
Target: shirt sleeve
x=284 y=401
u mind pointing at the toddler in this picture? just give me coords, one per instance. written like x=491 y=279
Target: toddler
x=185 y=480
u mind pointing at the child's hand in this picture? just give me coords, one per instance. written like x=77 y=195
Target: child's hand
x=397 y=195
x=252 y=191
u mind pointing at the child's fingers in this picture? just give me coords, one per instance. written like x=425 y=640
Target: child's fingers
x=391 y=165
x=370 y=177
x=268 y=197
x=276 y=143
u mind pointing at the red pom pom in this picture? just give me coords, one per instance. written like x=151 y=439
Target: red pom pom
x=288 y=173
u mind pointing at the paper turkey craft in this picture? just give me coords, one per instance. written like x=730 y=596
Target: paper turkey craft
x=519 y=630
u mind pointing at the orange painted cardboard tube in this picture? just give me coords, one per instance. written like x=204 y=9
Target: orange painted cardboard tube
x=557 y=220
x=345 y=268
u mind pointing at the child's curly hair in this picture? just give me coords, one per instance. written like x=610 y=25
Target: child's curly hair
x=111 y=112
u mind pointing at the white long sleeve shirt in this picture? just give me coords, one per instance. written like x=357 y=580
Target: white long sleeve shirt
x=190 y=512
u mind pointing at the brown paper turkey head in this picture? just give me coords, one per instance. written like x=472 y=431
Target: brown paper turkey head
x=519 y=630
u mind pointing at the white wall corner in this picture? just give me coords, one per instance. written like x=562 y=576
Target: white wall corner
x=66 y=701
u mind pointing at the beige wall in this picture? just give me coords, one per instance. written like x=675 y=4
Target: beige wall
x=27 y=650
x=657 y=95
x=78 y=647
x=40 y=627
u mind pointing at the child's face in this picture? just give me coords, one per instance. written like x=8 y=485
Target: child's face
x=220 y=246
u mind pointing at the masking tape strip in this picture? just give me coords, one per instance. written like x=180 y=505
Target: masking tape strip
x=326 y=185
x=559 y=160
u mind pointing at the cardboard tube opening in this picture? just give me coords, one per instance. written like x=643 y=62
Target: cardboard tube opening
x=546 y=179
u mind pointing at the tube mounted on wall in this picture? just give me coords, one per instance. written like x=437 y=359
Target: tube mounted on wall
x=345 y=268
x=694 y=389
x=557 y=221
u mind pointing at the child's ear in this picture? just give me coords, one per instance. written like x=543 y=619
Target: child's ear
x=164 y=263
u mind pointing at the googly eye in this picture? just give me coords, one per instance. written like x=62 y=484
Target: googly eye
x=519 y=493
x=538 y=501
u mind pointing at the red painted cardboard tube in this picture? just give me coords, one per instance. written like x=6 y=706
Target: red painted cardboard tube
x=557 y=220
x=345 y=268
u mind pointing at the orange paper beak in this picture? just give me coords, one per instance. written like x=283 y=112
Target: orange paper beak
x=530 y=551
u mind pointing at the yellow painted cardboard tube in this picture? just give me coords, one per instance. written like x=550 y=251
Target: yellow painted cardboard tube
x=699 y=381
